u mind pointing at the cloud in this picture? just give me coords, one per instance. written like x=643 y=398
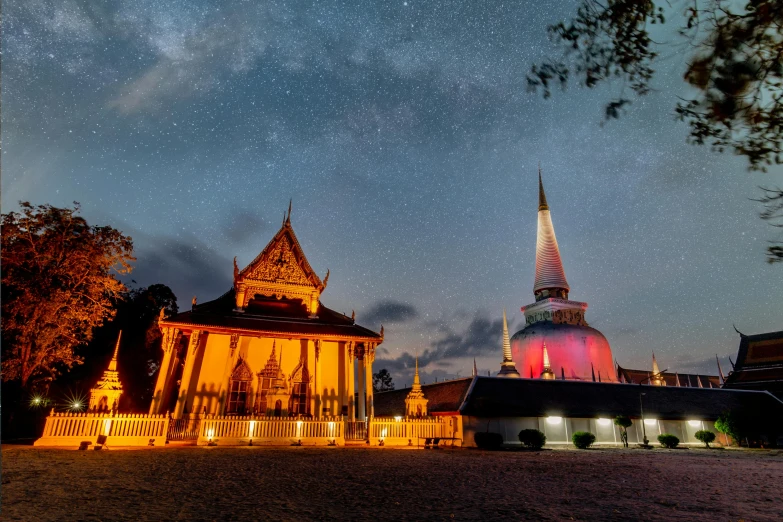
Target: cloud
x=483 y=336
x=385 y=312
x=187 y=266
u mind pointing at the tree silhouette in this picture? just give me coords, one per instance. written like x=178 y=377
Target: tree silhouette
x=382 y=381
x=58 y=284
x=735 y=68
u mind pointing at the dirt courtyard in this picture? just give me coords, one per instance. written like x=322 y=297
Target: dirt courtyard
x=252 y=483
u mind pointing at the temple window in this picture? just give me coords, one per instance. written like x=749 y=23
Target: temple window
x=238 y=388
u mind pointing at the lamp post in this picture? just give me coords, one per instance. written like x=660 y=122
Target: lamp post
x=644 y=430
x=641 y=406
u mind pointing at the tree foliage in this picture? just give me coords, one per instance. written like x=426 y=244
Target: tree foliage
x=705 y=436
x=382 y=381
x=58 y=284
x=735 y=68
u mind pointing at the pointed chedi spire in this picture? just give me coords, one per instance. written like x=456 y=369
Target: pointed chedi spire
x=655 y=369
x=550 y=276
x=415 y=402
x=113 y=362
x=105 y=395
x=507 y=368
x=547 y=373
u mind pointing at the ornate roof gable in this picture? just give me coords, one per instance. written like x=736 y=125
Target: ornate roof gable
x=280 y=270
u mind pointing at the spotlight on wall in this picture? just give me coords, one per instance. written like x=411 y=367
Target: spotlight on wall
x=604 y=422
x=650 y=422
x=554 y=420
x=694 y=423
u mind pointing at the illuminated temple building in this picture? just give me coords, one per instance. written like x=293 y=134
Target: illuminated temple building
x=268 y=346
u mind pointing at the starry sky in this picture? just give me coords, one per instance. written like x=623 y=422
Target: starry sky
x=404 y=133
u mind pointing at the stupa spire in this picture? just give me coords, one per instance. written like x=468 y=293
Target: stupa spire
x=542 y=205
x=416 y=381
x=655 y=369
x=113 y=362
x=415 y=402
x=507 y=368
x=550 y=276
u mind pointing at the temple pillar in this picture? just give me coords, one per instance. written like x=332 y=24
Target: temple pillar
x=362 y=383
x=349 y=377
x=187 y=373
x=318 y=398
x=228 y=368
x=169 y=345
x=369 y=355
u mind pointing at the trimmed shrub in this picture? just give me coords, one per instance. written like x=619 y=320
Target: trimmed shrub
x=488 y=440
x=668 y=440
x=583 y=439
x=705 y=436
x=532 y=439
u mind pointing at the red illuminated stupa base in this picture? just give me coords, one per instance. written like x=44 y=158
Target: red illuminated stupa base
x=575 y=351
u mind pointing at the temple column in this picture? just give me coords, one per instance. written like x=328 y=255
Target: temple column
x=318 y=404
x=349 y=377
x=369 y=355
x=190 y=358
x=169 y=342
x=228 y=368
x=362 y=383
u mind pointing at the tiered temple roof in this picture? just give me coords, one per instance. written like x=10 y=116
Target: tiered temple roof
x=278 y=293
x=759 y=364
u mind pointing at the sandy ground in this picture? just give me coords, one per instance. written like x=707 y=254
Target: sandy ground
x=190 y=483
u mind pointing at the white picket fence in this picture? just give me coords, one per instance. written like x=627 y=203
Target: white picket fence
x=230 y=431
x=407 y=431
x=124 y=429
x=71 y=429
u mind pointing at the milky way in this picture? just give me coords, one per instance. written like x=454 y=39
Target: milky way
x=405 y=135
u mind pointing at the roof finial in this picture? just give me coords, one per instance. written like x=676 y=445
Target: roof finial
x=720 y=371
x=541 y=196
x=416 y=382
x=288 y=216
x=113 y=362
x=475 y=370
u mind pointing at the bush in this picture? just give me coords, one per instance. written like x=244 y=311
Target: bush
x=532 y=439
x=583 y=439
x=488 y=441
x=705 y=436
x=668 y=440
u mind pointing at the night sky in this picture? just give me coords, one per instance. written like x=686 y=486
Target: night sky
x=405 y=135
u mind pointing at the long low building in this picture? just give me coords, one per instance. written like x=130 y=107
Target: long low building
x=559 y=408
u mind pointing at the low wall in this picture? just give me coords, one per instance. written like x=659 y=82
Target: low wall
x=71 y=429
x=243 y=431
x=558 y=430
